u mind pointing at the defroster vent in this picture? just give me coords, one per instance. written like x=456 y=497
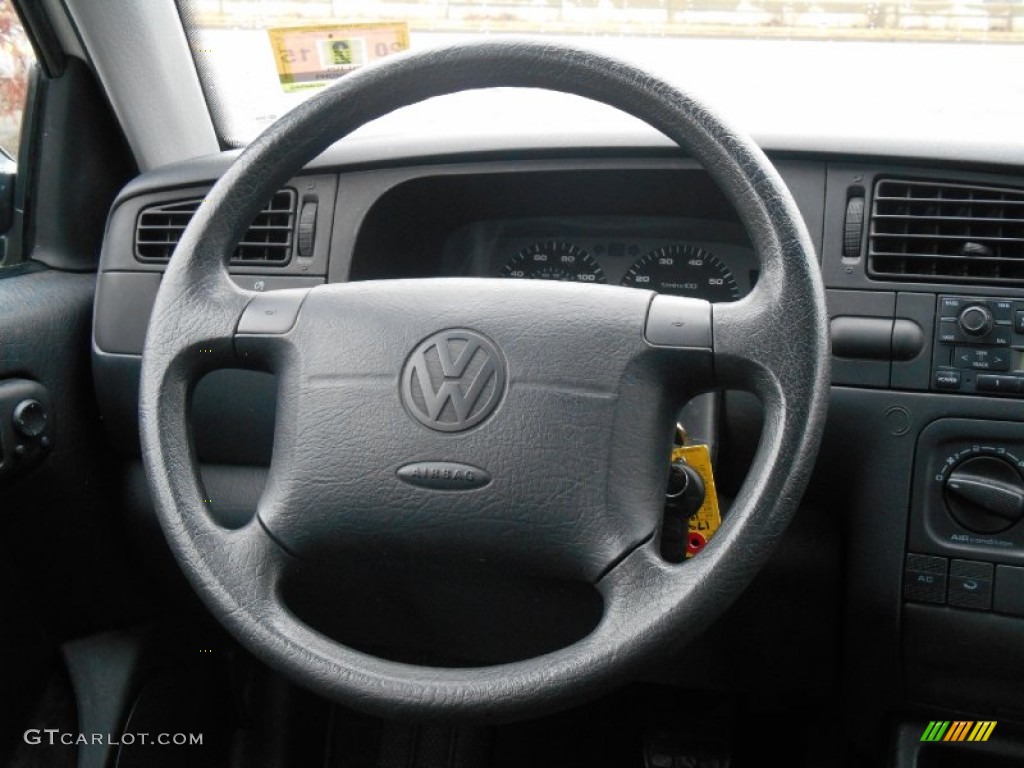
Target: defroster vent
x=939 y=232
x=268 y=242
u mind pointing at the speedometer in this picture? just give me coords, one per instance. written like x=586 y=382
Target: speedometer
x=683 y=270
x=554 y=260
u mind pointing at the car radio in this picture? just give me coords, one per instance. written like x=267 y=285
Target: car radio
x=979 y=346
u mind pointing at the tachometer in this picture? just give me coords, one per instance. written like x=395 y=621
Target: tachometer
x=683 y=270
x=554 y=260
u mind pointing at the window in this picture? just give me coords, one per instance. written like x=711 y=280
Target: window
x=16 y=60
x=257 y=60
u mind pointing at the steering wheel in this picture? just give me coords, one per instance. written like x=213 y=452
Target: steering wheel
x=528 y=422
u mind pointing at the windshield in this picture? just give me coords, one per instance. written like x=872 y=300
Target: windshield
x=929 y=67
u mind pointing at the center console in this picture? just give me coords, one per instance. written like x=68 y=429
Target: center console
x=966 y=540
x=923 y=271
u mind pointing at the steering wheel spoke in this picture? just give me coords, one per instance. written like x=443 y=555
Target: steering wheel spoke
x=746 y=348
x=265 y=561
x=262 y=335
x=773 y=339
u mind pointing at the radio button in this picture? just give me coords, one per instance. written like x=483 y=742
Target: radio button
x=949 y=331
x=986 y=359
x=1005 y=384
x=1001 y=337
x=1002 y=310
x=949 y=307
x=976 y=320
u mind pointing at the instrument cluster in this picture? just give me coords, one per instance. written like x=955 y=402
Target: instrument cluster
x=673 y=256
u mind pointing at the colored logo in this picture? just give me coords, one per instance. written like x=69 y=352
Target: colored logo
x=958 y=730
x=453 y=380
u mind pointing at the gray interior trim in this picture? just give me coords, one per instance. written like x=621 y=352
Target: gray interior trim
x=431 y=140
x=371 y=151
x=140 y=55
x=61 y=24
x=614 y=135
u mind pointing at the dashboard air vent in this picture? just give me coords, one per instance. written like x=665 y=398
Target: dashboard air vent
x=268 y=242
x=939 y=232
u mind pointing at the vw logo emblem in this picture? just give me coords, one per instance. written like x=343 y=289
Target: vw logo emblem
x=453 y=380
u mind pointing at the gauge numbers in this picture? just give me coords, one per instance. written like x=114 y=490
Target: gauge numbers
x=554 y=260
x=683 y=270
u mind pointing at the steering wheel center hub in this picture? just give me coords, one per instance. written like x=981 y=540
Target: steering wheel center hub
x=554 y=394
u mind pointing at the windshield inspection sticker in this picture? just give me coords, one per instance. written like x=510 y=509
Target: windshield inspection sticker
x=314 y=57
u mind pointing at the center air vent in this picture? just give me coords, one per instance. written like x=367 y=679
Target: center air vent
x=946 y=233
x=268 y=242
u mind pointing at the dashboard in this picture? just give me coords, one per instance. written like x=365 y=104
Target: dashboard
x=888 y=553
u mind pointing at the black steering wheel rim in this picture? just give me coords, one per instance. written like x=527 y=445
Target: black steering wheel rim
x=773 y=343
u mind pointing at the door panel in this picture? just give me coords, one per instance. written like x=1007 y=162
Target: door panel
x=64 y=571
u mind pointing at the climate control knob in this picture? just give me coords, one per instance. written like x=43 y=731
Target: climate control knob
x=976 y=320
x=985 y=494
